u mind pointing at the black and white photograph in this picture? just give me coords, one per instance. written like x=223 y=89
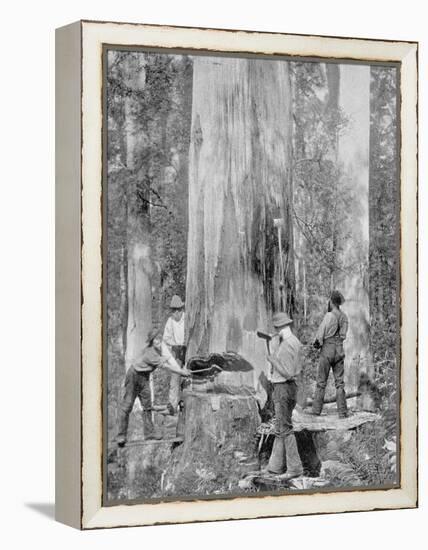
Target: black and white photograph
x=251 y=275
x=213 y=262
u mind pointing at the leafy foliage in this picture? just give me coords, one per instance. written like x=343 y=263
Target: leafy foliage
x=323 y=221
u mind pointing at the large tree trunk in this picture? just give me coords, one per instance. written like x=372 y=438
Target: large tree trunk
x=239 y=182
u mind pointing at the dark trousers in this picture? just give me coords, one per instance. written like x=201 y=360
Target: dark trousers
x=332 y=357
x=308 y=453
x=174 y=396
x=284 y=400
x=137 y=384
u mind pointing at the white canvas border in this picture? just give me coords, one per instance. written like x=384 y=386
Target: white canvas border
x=94 y=35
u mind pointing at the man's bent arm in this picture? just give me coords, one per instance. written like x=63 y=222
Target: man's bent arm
x=321 y=330
x=171 y=364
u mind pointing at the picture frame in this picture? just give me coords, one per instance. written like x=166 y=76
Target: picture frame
x=80 y=261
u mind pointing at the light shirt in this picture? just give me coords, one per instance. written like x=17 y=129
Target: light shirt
x=173 y=334
x=287 y=355
x=333 y=324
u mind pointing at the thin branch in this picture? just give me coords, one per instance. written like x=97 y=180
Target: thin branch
x=153 y=203
x=313 y=242
x=156 y=194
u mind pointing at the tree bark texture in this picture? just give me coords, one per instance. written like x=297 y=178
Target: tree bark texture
x=139 y=268
x=354 y=154
x=139 y=289
x=239 y=181
x=219 y=445
x=384 y=215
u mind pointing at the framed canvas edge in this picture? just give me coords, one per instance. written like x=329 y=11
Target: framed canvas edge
x=68 y=274
x=94 y=36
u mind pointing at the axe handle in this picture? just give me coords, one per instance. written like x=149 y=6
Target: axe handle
x=212 y=368
x=266 y=337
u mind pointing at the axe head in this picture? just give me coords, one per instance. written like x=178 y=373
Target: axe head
x=264 y=335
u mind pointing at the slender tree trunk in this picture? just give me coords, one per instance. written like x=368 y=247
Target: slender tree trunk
x=354 y=156
x=239 y=174
x=305 y=306
x=139 y=263
x=332 y=108
x=333 y=81
x=383 y=176
x=139 y=288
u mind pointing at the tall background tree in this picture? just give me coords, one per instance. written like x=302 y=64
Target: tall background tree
x=384 y=237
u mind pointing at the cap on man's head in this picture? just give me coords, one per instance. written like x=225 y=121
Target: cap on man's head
x=337 y=298
x=281 y=320
x=176 y=302
x=153 y=332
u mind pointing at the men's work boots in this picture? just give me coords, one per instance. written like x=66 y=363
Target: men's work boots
x=122 y=429
x=149 y=430
x=318 y=401
x=342 y=408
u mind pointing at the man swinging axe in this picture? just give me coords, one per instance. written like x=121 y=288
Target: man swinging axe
x=285 y=359
x=137 y=384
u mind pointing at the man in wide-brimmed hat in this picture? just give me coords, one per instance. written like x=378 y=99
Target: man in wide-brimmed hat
x=137 y=384
x=173 y=343
x=330 y=337
x=286 y=365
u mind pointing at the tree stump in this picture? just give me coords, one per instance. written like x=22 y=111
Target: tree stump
x=219 y=445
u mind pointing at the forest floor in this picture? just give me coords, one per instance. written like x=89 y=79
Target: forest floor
x=147 y=469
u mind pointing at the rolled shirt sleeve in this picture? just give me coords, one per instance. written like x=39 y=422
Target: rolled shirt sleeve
x=343 y=326
x=168 y=359
x=322 y=328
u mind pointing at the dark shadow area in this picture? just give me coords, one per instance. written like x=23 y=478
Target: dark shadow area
x=45 y=508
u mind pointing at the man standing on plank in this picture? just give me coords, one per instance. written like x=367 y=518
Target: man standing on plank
x=286 y=364
x=330 y=337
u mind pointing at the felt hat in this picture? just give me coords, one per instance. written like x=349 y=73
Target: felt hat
x=176 y=302
x=152 y=335
x=281 y=319
x=337 y=298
